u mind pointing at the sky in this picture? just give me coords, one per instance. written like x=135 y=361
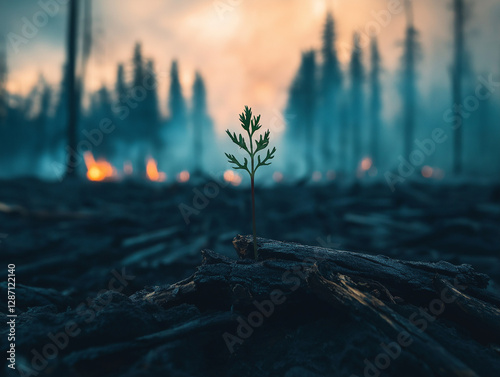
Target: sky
x=248 y=51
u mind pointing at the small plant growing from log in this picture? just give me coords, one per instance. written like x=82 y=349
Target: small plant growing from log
x=251 y=125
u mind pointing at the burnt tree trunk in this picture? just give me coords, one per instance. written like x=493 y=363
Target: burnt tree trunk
x=73 y=99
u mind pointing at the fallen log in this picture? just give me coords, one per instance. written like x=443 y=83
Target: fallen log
x=408 y=281
x=407 y=301
x=296 y=311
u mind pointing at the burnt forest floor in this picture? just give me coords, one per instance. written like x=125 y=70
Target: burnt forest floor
x=74 y=237
x=69 y=236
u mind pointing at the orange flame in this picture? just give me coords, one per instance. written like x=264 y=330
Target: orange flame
x=153 y=173
x=97 y=170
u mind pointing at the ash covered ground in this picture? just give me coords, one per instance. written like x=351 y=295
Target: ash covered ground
x=69 y=240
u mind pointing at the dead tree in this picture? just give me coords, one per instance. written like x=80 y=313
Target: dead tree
x=3 y=83
x=375 y=102
x=457 y=78
x=411 y=49
x=72 y=86
x=356 y=71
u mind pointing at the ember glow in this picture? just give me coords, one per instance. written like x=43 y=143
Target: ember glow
x=366 y=163
x=430 y=172
x=316 y=177
x=427 y=171
x=153 y=173
x=277 y=176
x=183 y=176
x=232 y=177
x=98 y=170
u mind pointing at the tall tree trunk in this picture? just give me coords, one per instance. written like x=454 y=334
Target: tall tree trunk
x=375 y=103
x=343 y=138
x=72 y=86
x=309 y=109
x=357 y=99
x=458 y=7
x=409 y=61
x=3 y=83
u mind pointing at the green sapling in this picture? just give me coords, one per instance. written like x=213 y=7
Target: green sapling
x=251 y=125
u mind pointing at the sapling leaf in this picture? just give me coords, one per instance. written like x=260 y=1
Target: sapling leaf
x=269 y=156
x=255 y=124
x=238 y=140
x=251 y=125
x=237 y=165
x=245 y=118
x=262 y=143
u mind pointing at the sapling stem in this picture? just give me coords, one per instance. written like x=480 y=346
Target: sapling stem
x=252 y=183
x=251 y=125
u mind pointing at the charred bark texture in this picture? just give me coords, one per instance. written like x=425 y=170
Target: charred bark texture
x=374 y=289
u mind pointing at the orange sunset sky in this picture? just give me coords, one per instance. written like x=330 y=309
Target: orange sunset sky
x=247 y=50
